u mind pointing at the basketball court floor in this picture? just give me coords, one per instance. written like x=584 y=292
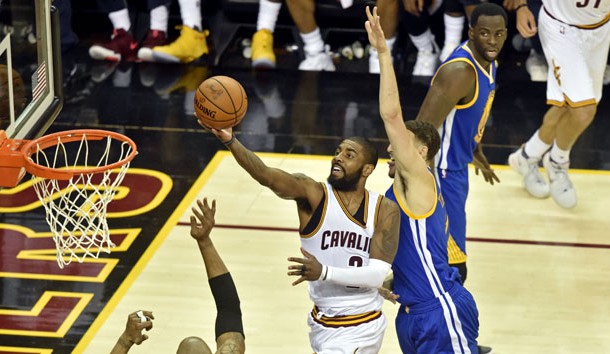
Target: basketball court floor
x=537 y=272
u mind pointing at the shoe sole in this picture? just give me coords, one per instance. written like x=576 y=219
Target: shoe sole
x=160 y=57
x=100 y=53
x=263 y=64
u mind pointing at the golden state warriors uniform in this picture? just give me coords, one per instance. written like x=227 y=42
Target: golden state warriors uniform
x=575 y=36
x=442 y=315
x=460 y=133
x=344 y=318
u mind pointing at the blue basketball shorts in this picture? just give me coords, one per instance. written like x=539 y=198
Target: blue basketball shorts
x=454 y=187
x=449 y=324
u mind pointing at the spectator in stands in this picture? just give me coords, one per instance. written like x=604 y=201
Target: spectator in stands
x=263 y=56
x=122 y=46
x=417 y=20
x=317 y=56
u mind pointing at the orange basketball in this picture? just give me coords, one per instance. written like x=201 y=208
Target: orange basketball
x=220 y=102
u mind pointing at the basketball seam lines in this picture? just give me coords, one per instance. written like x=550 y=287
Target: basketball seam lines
x=215 y=105
x=230 y=98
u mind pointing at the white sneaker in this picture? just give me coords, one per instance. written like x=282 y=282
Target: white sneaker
x=427 y=61
x=562 y=190
x=448 y=48
x=537 y=67
x=533 y=181
x=317 y=62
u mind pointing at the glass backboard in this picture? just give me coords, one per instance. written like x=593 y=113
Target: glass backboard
x=30 y=67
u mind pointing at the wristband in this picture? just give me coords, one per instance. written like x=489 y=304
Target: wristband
x=231 y=141
x=324 y=272
x=520 y=6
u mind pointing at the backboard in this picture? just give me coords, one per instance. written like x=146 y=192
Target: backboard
x=30 y=67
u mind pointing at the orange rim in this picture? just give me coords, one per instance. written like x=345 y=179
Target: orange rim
x=67 y=137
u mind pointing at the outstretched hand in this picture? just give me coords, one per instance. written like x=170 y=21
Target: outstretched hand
x=135 y=325
x=203 y=220
x=373 y=28
x=224 y=135
x=308 y=268
x=481 y=164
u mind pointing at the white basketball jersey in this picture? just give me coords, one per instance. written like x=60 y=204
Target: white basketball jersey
x=579 y=12
x=341 y=241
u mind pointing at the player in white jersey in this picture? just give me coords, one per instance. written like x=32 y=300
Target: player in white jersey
x=349 y=239
x=575 y=36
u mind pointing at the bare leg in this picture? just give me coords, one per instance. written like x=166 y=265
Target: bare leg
x=551 y=120
x=388 y=15
x=571 y=126
x=303 y=14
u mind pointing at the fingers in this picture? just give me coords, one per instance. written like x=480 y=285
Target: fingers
x=298 y=260
x=298 y=281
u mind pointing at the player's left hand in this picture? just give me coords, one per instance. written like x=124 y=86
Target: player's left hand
x=480 y=163
x=308 y=268
x=134 y=327
x=200 y=231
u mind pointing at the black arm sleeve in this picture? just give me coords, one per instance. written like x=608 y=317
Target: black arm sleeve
x=228 y=318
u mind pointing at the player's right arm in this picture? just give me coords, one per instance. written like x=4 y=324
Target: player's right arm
x=287 y=186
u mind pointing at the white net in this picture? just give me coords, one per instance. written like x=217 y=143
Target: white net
x=76 y=208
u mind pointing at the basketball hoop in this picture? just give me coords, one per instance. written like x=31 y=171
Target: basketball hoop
x=75 y=174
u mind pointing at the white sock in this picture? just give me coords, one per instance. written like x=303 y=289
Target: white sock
x=560 y=156
x=158 y=18
x=423 y=41
x=120 y=19
x=453 y=29
x=313 y=43
x=535 y=147
x=190 y=11
x=268 y=12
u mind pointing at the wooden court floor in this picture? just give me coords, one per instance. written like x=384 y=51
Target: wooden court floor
x=539 y=273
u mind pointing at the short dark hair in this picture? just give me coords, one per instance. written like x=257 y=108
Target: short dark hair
x=487 y=9
x=370 y=151
x=427 y=134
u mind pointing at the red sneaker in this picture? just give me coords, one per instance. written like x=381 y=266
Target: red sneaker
x=153 y=38
x=121 y=46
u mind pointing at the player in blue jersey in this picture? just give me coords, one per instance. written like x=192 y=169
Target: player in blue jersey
x=458 y=104
x=437 y=314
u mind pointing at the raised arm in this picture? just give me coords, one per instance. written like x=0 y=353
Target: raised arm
x=383 y=249
x=287 y=186
x=229 y=326
x=401 y=139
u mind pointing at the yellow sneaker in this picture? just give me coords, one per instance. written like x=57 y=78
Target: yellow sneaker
x=189 y=46
x=263 y=56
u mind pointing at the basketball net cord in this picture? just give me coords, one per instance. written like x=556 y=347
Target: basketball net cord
x=76 y=209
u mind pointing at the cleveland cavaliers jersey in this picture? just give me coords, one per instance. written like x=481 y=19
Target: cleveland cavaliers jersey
x=463 y=128
x=421 y=269
x=580 y=13
x=341 y=241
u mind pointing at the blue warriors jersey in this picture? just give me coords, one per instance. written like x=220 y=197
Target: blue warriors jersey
x=421 y=270
x=463 y=128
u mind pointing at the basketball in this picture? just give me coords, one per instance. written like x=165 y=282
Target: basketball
x=220 y=102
